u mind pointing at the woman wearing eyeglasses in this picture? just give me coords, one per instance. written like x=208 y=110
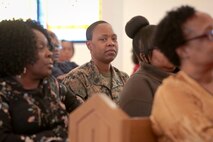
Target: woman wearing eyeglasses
x=183 y=105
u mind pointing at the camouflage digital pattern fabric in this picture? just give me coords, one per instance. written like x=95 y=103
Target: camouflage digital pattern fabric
x=86 y=80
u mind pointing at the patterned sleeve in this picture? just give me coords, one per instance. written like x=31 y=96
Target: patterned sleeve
x=5 y=124
x=68 y=98
x=76 y=83
x=7 y=134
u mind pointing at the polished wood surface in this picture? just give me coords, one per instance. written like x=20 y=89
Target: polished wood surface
x=101 y=120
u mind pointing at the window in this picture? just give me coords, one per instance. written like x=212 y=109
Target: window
x=69 y=18
x=13 y=9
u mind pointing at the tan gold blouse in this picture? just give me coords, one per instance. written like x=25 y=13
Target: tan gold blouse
x=182 y=111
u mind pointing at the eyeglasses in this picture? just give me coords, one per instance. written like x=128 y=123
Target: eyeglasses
x=208 y=35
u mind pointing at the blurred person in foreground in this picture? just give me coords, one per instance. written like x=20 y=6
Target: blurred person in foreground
x=183 y=104
x=138 y=93
x=33 y=105
x=98 y=75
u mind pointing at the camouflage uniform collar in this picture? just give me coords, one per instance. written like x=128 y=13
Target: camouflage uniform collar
x=98 y=79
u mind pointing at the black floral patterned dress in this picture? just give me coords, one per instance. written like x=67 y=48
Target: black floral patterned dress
x=39 y=115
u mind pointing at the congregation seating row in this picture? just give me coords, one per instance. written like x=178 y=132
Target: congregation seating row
x=100 y=120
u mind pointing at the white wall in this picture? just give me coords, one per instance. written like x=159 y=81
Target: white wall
x=112 y=12
x=118 y=12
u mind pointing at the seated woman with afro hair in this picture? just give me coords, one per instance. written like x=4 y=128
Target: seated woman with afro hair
x=33 y=105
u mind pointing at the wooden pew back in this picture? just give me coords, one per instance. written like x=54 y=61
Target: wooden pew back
x=101 y=120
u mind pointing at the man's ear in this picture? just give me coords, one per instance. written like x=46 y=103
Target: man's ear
x=88 y=43
x=182 y=52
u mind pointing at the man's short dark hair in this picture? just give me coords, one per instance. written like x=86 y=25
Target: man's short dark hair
x=169 y=34
x=91 y=28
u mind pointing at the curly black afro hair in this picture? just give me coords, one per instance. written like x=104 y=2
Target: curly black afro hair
x=35 y=25
x=169 y=34
x=17 y=45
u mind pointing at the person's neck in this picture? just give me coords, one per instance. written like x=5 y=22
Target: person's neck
x=102 y=67
x=28 y=82
x=203 y=75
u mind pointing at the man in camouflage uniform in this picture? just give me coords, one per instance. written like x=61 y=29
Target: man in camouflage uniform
x=98 y=75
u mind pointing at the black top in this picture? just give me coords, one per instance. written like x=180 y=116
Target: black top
x=61 y=68
x=138 y=93
x=36 y=115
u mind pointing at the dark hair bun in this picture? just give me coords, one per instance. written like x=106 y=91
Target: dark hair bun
x=134 y=25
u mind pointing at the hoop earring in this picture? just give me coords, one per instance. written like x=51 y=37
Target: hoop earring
x=25 y=70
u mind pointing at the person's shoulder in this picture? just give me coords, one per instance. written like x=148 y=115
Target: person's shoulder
x=138 y=78
x=140 y=74
x=7 y=83
x=172 y=80
x=80 y=70
x=170 y=85
x=121 y=73
x=73 y=63
x=69 y=63
x=51 y=80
